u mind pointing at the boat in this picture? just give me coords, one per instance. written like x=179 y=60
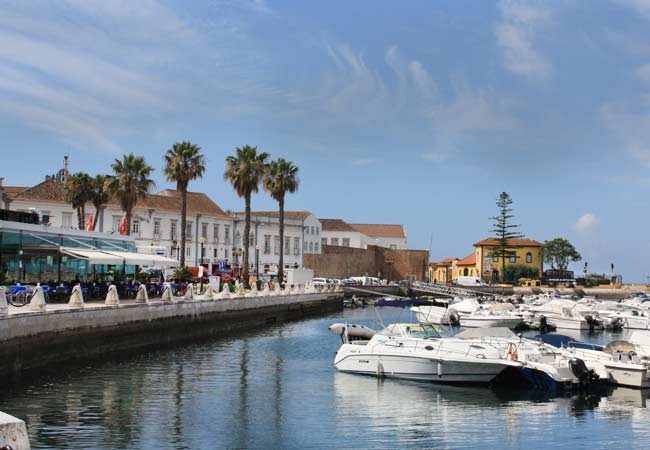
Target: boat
x=623 y=365
x=468 y=313
x=402 y=302
x=542 y=366
x=417 y=352
x=563 y=313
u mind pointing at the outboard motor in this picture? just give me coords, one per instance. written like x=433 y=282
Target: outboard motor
x=593 y=323
x=454 y=318
x=582 y=373
x=543 y=324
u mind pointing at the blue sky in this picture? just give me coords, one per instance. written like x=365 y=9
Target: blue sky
x=416 y=112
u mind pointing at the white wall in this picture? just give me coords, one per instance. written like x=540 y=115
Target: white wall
x=357 y=239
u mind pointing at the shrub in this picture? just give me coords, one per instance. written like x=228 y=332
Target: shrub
x=183 y=274
x=516 y=271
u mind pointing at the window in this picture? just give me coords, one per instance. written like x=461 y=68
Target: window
x=156 y=229
x=334 y=241
x=512 y=258
x=204 y=231
x=251 y=240
x=237 y=239
x=226 y=234
x=135 y=228
x=346 y=242
x=529 y=258
x=287 y=245
x=495 y=258
x=311 y=246
x=312 y=230
x=215 y=232
x=188 y=230
x=172 y=234
x=225 y=252
x=306 y=230
x=317 y=231
x=305 y=247
x=276 y=245
x=323 y=241
x=296 y=246
x=66 y=221
x=267 y=244
x=316 y=247
x=215 y=253
x=188 y=251
x=393 y=246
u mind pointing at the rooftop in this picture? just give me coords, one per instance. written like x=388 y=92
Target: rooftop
x=469 y=260
x=290 y=215
x=380 y=230
x=492 y=242
x=336 y=225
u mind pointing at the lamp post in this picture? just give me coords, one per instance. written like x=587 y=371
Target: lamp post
x=257 y=263
x=585 y=270
x=202 y=242
x=175 y=249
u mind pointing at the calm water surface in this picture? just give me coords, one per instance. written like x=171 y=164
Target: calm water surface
x=277 y=388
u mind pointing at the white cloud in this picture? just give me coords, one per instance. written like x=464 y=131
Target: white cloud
x=516 y=33
x=585 y=223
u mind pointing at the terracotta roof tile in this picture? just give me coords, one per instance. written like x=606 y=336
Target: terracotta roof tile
x=170 y=199
x=512 y=242
x=336 y=225
x=380 y=230
x=468 y=260
x=50 y=190
x=291 y=215
x=12 y=191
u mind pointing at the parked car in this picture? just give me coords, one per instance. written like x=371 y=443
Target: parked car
x=348 y=282
x=319 y=281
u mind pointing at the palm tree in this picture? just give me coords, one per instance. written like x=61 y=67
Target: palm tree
x=99 y=194
x=78 y=190
x=183 y=162
x=129 y=182
x=245 y=170
x=281 y=177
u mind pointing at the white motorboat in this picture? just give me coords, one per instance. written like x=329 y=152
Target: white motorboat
x=418 y=352
x=633 y=317
x=543 y=366
x=564 y=313
x=623 y=365
x=468 y=313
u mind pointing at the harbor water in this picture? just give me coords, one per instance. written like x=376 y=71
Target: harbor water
x=277 y=388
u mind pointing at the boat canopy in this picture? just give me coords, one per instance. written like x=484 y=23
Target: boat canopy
x=477 y=333
x=96 y=256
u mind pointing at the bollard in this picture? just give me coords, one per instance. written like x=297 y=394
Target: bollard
x=167 y=294
x=112 y=298
x=276 y=290
x=142 y=296
x=4 y=307
x=265 y=291
x=225 y=292
x=209 y=293
x=241 y=291
x=253 y=292
x=37 y=302
x=76 y=297
x=189 y=292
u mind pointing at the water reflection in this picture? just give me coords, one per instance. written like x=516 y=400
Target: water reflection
x=277 y=388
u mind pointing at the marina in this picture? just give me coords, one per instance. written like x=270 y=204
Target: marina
x=276 y=386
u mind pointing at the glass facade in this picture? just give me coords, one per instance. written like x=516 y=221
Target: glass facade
x=28 y=256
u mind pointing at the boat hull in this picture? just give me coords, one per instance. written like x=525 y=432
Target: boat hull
x=420 y=369
x=568 y=323
x=490 y=322
x=629 y=376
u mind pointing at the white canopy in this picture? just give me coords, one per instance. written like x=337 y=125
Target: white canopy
x=95 y=256
x=92 y=256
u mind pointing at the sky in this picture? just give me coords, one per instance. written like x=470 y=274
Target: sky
x=417 y=112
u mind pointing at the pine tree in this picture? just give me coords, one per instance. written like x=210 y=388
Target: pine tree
x=504 y=230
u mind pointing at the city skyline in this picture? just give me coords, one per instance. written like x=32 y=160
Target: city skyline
x=419 y=115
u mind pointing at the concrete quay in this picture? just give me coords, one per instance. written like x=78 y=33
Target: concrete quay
x=13 y=433
x=31 y=339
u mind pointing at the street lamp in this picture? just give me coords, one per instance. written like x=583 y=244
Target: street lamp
x=202 y=242
x=257 y=263
x=585 y=270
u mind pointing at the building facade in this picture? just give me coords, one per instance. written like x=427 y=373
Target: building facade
x=337 y=232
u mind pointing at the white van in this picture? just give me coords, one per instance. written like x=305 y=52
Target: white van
x=471 y=281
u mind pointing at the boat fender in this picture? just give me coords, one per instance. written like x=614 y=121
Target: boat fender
x=440 y=371
x=512 y=352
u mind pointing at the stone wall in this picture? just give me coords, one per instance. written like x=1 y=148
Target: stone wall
x=343 y=262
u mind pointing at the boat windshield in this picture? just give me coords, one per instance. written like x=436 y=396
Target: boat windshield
x=422 y=331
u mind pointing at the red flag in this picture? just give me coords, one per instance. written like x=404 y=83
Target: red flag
x=89 y=224
x=123 y=225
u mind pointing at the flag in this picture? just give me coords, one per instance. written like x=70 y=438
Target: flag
x=123 y=225
x=89 y=224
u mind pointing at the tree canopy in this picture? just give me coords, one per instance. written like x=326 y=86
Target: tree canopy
x=559 y=252
x=504 y=229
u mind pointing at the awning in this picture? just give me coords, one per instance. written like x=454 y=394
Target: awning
x=92 y=256
x=95 y=256
x=143 y=259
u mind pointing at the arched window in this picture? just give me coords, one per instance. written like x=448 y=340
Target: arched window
x=465 y=271
x=529 y=258
x=311 y=246
x=316 y=247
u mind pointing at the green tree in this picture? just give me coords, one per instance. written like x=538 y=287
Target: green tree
x=130 y=181
x=559 y=252
x=78 y=190
x=280 y=178
x=245 y=170
x=504 y=230
x=183 y=163
x=514 y=272
x=99 y=194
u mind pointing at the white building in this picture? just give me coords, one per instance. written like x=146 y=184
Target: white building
x=213 y=236
x=301 y=235
x=341 y=233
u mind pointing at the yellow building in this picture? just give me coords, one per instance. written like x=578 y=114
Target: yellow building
x=442 y=271
x=521 y=251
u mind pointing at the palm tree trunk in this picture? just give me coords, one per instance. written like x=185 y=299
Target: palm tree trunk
x=183 y=224
x=281 y=262
x=82 y=225
x=128 y=213
x=96 y=218
x=80 y=220
x=247 y=231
